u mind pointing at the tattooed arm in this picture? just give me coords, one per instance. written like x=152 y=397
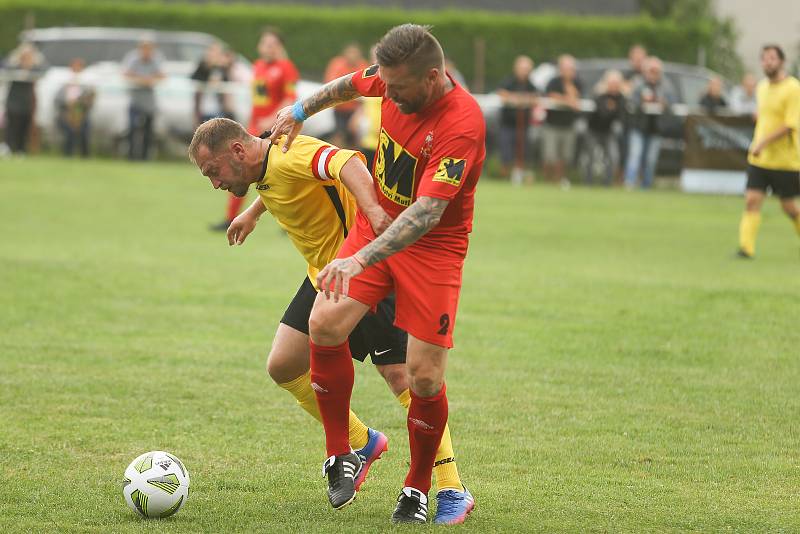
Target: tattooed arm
x=416 y=221
x=413 y=223
x=332 y=93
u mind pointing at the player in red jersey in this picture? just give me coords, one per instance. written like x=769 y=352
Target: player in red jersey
x=274 y=80
x=428 y=162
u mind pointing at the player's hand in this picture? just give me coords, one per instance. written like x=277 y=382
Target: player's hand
x=285 y=125
x=378 y=219
x=336 y=277
x=756 y=149
x=240 y=228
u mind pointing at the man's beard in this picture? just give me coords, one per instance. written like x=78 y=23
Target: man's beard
x=238 y=169
x=239 y=191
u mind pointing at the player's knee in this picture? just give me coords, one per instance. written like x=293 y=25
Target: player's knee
x=425 y=381
x=278 y=368
x=324 y=329
x=752 y=203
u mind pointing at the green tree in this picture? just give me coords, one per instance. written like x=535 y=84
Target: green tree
x=721 y=55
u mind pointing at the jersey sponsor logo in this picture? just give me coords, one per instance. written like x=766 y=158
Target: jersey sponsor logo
x=450 y=171
x=261 y=95
x=369 y=72
x=395 y=170
x=262 y=187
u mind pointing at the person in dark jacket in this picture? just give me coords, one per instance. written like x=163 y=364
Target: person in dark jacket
x=518 y=96
x=558 y=133
x=211 y=100
x=24 y=67
x=713 y=102
x=605 y=126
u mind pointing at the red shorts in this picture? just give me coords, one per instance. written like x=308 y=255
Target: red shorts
x=426 y=282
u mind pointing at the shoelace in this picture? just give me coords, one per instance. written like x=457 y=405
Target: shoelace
x=409 y=506
x=447 y=502
x=335 y=473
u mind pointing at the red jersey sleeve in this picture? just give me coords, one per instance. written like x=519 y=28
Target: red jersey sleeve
x=368 y=83
x=449 y=165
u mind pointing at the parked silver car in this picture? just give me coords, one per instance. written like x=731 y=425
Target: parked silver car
x=103 y=49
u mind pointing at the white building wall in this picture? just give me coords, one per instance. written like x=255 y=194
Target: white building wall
x=764 y=21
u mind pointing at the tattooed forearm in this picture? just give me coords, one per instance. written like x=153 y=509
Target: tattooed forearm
x=332 y=93
x=412 y=224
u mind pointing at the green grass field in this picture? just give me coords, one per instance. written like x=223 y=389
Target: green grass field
x=615 y=369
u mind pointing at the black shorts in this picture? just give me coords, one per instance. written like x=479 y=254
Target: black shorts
x=375 y=335
x=785 y=184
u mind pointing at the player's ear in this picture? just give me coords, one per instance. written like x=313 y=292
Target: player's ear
x=433 y=75
x=237 y=148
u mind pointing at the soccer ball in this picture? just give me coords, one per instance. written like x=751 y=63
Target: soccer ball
x=156 y=484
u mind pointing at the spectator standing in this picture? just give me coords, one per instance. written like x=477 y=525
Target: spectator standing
x=743 y=96
x=712 y=101
x=25 y=68
x=350 y=60
x=274 y=81
x=605 y=129
x=558 y=134
x=650 y=100
x=518 y=96
x=74 y=102
x=211 y=99
x=142 y=70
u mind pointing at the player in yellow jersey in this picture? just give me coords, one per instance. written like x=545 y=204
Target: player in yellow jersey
x=313 y=193
x=774 y=156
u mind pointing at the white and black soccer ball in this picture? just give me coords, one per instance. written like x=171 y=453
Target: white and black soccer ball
x=156 y=484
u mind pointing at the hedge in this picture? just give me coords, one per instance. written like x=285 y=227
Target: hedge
x=314 y=34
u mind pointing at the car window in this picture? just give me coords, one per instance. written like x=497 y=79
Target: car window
x=59 y=53
x=693 y=87
x=191 y=52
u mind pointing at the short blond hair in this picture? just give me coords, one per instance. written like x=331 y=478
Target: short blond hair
x=215 y=134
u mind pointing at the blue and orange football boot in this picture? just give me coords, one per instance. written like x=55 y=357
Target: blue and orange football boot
x=377 y=444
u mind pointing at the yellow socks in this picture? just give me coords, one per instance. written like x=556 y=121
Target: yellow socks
x=797 y=224
x=748 y=229
x=444 y=468
x=301 y=389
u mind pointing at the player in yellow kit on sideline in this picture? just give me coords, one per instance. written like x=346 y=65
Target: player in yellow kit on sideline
x=313 y=193
x=774 y=155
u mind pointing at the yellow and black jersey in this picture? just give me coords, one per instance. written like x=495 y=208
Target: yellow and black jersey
x=778 y=106
x=302 y=190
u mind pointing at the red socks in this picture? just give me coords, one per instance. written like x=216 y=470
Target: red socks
x=332 y=379
x=234 y=203
x=427 y=417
